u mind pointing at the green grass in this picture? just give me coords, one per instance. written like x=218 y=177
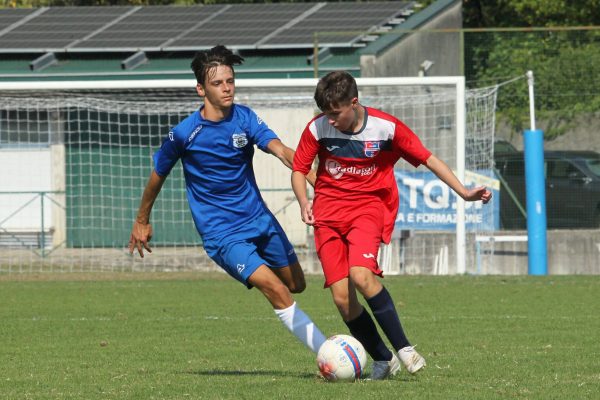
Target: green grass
x=207 y=337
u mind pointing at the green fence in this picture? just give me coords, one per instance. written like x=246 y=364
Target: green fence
x=104 y=188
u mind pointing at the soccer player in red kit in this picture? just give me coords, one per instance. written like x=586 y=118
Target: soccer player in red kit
x=355 y=207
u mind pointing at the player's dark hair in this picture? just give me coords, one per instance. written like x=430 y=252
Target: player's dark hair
x=335 y=89
x=206 y=60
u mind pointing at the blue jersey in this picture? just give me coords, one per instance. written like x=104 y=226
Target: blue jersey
x=217 y=164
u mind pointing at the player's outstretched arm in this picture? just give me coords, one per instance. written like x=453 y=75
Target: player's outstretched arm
x=141 y=232
x=442 y=171
x=281 y=151
x=299 y=187
x=286 y=155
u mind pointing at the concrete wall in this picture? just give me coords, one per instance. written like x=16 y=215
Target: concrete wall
x=59 y=215
x=25 y=170
x=583 y=134
x=404 y=57
x=569 y=252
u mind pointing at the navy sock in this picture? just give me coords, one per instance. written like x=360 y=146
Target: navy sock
x=363 y=328
x=385 y=313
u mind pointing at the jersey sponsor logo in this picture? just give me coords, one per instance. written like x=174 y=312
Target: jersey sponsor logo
x=371 y=149
x=258 y=120
x=241 y=267
x=290 y=252
x=332 y=148
x=171 y=138
x=239 y=140
x=194 y=133
x=368 y=255
x=336 y=170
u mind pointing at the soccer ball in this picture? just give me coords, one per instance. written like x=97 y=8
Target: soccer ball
x=341 y=358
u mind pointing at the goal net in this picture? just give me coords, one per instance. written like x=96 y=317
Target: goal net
x=76 y=156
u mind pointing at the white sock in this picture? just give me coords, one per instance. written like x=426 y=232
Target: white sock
x=301 y=326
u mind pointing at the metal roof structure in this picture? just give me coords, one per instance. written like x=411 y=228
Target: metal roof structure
x=277 y=40
x=176 y=28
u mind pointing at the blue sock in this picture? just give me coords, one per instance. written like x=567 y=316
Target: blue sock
x=385 y=313
x=363 y=328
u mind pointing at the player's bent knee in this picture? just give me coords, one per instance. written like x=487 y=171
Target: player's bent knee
x=364 y=280
x=271 y=287
x=293 y=277
x=297 y=286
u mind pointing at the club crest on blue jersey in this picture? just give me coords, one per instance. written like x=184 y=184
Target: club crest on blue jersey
x=239 y=140
x=371 y=149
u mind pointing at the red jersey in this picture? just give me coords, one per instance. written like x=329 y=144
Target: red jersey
x=357 y=168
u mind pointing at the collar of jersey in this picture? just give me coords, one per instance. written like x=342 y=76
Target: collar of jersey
x=209 y=122
x=362 y=128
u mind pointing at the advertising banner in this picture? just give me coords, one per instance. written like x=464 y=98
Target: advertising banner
x=427 y=203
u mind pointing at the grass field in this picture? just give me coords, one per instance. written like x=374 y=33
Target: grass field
x=207 y=337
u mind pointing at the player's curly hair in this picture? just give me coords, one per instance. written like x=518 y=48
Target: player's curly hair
x=334 y=89
x=206 y=60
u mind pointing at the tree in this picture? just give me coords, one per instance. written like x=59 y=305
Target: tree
x=528 y=13
x=565 y=61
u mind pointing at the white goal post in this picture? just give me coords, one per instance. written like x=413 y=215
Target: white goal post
x=90 y=128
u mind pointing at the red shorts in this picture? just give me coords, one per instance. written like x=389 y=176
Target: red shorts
x=352 y=243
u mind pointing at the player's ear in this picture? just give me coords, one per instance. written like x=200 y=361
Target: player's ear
x=354 y=101
x=200 y=90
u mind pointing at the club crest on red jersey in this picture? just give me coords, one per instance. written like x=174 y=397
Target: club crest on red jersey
x=371 y=149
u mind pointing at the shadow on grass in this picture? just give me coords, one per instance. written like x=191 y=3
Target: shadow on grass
x=221 y=372
x=283 y=374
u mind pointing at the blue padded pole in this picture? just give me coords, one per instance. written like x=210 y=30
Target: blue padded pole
x=536 y=202
x=535 y=191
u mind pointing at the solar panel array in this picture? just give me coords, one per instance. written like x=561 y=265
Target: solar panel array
x=241 y=26
x=10 y=16
x=57 y=28
x=151 y=27
x=344 y=23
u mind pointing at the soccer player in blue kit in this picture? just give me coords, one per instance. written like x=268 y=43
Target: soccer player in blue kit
x=216 y=145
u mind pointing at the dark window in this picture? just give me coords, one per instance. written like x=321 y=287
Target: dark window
x=562 y=169
x=514 y=168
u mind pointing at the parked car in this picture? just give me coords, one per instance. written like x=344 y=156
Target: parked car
x=572 y=189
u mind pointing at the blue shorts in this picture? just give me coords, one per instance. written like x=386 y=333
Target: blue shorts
x=260 y=242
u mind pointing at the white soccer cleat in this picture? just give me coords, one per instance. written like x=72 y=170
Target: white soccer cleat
x=412 y=360
x=384 y=369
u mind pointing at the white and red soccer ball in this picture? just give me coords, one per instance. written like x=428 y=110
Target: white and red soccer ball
x=341 y=358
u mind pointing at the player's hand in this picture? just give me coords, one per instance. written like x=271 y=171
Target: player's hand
x=307 y=213
x=140 y=236
x=479 y=193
